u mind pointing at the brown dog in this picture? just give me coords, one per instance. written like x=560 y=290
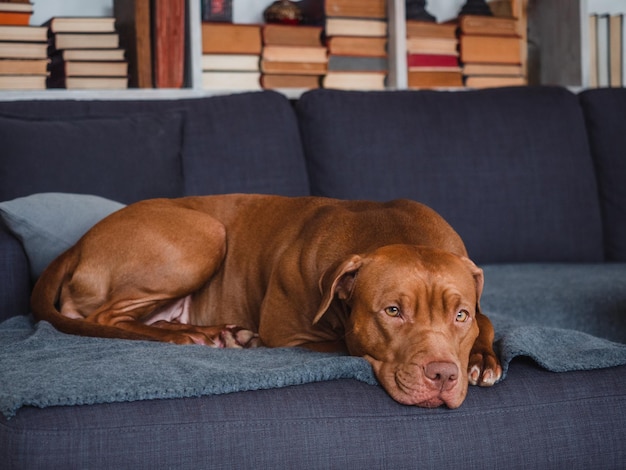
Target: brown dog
x=390 y=282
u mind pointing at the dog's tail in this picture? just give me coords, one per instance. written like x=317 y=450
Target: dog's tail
x=45 y=299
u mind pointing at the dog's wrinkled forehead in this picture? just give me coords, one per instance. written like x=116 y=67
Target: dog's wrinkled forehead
x=416 y=263
x=414 y=257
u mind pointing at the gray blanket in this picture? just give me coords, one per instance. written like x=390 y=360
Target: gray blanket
x=41 y=367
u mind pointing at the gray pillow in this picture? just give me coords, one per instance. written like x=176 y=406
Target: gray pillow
x=47 y=224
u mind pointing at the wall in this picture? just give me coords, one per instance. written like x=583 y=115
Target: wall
x=46 y=9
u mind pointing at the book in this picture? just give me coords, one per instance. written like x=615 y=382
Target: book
x=593 y=50
x=356 y=27
x=271 y=81
x=488 y=25
x=294 y=54
x=81 y=24
x=615 y=51
x=603 y=50
x=17 y=7
x=25 y=50
x=23 y=66
x=354 y=80
x=292 y=35
x=357 y=46
x=317 y=10
x=415 y=28
x=217 y=80
x=356 y=8
x=73 y=68
x=84 y=41
x=169 y=43
x=432 y=60
x=22 y=82
x=435 y=79
x=88 y=83
x=425 y=45
x=235 y=62
x=623 y=17
x=357 y=64
x=91 y=54
x=15 y=18
x=23 y=33
x=217 y=10
x=228 y=38
x=490 y=82
x=293 y=68
x=133 y=25
x=493 y=69
x=490 y=49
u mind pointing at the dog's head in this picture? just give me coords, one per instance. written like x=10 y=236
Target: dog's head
x=412 y=315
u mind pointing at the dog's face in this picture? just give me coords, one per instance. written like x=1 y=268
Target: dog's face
x=413 y=317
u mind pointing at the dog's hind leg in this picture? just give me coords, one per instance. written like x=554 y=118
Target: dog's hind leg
x=132 y=274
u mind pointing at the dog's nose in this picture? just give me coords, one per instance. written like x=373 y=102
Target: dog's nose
x=443 y=374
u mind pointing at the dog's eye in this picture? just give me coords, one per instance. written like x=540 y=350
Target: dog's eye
x=392 y=311
x=462 y=316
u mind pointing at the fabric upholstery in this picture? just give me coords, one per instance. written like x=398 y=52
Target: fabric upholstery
x=508 y=168
x=127 y=158
x=246 y=142
x=605 y=114
x=15 y=282
x=534 y=419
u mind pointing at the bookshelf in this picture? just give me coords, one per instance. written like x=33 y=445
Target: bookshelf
x=558 y=38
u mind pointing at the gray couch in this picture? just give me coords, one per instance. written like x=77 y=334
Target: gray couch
x=534 y=180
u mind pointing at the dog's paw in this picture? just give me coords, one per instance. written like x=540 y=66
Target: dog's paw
x=233 y=336
x=484 y=369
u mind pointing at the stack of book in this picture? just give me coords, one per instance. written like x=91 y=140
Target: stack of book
x=293 y=56
x=432 y=55
x=356 y=32
x=491 y=51
x=23 y=48
x=85 y=53
x=230 y=56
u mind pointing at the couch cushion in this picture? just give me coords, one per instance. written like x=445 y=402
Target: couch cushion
x=47 y=224
x=605 y=115
x=246 y=142
x=15 y=283
x=126 y=158
x=508 y=168
x=572 y=419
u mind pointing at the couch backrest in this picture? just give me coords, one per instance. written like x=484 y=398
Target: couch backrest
x=132 y=150
x=510 y=169
x=605 y=114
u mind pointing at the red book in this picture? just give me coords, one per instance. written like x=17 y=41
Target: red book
x=169 y=43
x=432 y=60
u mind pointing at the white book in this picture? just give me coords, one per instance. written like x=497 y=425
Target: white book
x=235 y=62
x=218 y=80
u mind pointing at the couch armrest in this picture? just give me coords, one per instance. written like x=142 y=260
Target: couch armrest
x=15 y=283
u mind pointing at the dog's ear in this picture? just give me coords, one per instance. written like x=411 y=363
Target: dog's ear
x=479 y=277
x=338 y=281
